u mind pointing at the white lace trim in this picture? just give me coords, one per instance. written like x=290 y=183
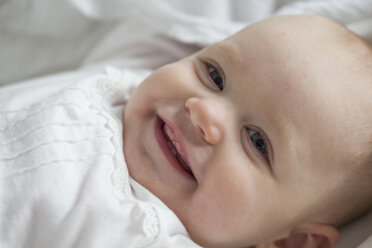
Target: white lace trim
x=119 y=83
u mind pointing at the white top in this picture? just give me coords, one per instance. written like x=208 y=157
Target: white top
x=63 y=177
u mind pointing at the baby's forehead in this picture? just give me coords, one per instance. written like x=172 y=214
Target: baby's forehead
x=310 y=33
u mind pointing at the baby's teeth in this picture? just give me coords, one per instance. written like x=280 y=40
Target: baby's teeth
x=174 y=151
x=172 y=148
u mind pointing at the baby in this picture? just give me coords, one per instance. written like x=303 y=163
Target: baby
x=261 y=140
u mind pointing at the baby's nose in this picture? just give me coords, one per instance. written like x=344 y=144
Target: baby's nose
x=204 y=116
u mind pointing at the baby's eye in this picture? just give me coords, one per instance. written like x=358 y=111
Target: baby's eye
x=258 y=141
x=215 y=76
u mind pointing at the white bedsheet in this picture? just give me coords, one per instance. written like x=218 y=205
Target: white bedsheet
x=39 y=37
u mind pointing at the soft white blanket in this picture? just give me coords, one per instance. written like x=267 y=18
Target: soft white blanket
x=39 y=37
x=63 y=178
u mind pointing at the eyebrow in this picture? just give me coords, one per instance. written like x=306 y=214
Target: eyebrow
x=228 y=50
x=284 y=133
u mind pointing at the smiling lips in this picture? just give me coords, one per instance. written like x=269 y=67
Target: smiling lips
x=173 y=149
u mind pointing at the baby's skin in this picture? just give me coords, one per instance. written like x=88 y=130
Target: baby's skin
x=266 y=127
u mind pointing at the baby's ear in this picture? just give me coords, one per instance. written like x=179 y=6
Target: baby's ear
x=310 y=236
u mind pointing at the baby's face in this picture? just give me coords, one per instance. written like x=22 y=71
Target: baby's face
x=259 y=123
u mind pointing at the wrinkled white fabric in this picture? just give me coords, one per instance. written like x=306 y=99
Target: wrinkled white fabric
x=63 y=177
x=39 y=37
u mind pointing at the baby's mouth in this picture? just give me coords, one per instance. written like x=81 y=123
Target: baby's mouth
x=175 y=147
